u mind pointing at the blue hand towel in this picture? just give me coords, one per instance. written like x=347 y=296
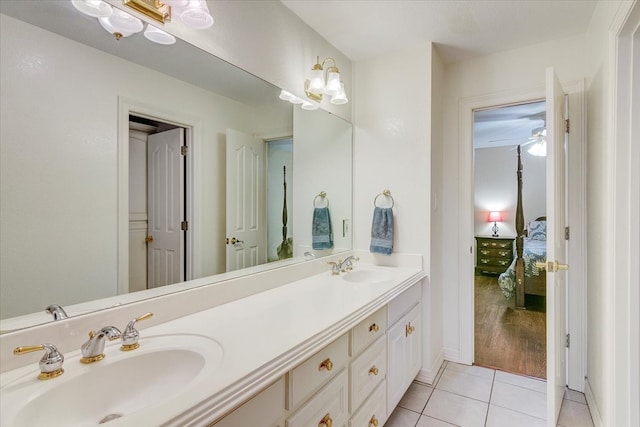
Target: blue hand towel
x=321 y=233
x=382 y=231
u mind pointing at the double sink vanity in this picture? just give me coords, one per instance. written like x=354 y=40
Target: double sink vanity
x=324 y=349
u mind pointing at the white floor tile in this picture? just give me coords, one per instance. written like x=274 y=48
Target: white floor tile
x=575 y=396
x=478 y=371
x=475 y=387
x=401 y=417
x=425 y=421
x=416 y=397
x=503 y=417
x=519 y=399
x=574 y=414
x=519 y=380
x=458 y=410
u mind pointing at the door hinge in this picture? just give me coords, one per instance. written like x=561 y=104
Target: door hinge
x=184 y=225
x=184 y=150
x=566 y=125
x=567 y=233
x=568 y=341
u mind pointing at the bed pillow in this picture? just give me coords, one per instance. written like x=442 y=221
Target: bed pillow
x=538 y=230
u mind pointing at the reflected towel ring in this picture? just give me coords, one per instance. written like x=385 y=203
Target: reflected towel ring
x=385 y=193
x=323 y=196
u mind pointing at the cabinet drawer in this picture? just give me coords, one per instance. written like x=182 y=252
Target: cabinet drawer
x=495 y=243
x=374 y=410
x=366 y=372
x=264 y=409
x=495 y=253
x=494 y=262
x=318 y=369
x=329 y=403
x=368 y=331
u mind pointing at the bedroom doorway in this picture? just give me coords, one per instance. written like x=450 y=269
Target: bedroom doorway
x=509 y=334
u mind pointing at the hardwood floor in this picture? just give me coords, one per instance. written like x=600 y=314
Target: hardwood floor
x=505 y=338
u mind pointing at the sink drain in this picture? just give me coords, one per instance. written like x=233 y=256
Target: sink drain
x=110 y=417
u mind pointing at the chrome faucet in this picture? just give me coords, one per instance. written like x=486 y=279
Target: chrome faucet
x=51 y=362
x=131 y=335
x=342 y=266
x=56 y=311
x=93 y=350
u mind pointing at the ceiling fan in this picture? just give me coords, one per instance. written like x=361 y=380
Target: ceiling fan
x=537 y=140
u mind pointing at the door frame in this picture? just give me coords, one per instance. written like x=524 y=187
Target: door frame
x=577 y=219
x=126 y=107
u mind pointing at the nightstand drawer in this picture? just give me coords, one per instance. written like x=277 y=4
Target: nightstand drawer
x=495 y=253
x=494 y=262
x=494 y=243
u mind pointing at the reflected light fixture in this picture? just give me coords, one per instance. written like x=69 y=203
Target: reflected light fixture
x=495 y=217
x=194 y=13
x=304 y=104
x=539 y=139
x=325 y=82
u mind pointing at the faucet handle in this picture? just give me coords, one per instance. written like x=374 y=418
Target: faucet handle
x=50 y=364
x=131 y=335
x=335 y=267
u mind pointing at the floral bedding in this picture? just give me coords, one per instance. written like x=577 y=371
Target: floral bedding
x=535 y=249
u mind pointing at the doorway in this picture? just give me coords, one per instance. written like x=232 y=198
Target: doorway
x=509 y=335
x=158 y=227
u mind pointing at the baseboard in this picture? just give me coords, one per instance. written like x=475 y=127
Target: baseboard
x=452 y=354
x=593 y=407
x=428 y=376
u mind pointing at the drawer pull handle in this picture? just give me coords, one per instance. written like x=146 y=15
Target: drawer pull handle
x=373 y=328
x=373 y=421
x=504 y=253
x=485 y=252
x=326 y=364
x=373 y=371
x=326 y=421
x=503 y=245
x=484 y=261
x=408 y=329
x=485 y=244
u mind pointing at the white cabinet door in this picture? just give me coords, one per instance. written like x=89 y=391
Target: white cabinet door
x=404 y=355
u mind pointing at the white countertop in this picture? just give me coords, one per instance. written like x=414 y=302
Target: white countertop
x=262 y=336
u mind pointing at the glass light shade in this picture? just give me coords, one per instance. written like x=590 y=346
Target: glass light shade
x=196 y=15
x=316 y=82
x=306 y=105
x=121 y=22
x=296 y=100
x=538 y=149
x=340 y=96
x=286 y=96
x=333 y=83
x=176 y=3
x=495 y=216
x=156 y=35
x=93 y=8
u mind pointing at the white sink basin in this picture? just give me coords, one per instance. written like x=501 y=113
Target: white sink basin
x=123 y=383
x=368 y=275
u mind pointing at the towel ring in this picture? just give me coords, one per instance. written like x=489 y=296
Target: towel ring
x=385 y=193
x=323 y=196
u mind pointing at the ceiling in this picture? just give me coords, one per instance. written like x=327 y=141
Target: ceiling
x=460 y=30
x=364 y=29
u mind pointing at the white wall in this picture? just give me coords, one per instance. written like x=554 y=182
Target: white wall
x=516 y=70
x=393 y=151
x=59 y=157
x=496 y=188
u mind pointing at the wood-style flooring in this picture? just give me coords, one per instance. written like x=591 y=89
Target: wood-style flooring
x=505 y=338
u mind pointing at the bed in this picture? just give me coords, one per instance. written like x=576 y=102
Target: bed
x=523 y=277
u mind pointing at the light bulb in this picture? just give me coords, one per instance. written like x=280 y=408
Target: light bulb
x=316 y=82
x=340 y=96
x=333 y=83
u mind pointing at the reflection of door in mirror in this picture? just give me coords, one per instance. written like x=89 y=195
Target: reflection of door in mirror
x=157 y=201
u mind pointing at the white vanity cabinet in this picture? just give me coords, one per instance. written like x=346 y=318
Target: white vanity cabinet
x=404 y=344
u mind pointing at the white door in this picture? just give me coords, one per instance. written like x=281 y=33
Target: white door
x=556 y=250
x=246 y=201
x=165 y=204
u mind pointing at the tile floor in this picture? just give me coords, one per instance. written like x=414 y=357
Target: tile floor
x=474 y=396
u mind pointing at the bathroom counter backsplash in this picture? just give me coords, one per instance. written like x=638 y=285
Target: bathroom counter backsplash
x=260 y=333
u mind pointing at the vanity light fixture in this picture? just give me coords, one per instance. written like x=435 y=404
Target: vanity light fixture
x=325 y=82
x=305 y=105
x=194 y=13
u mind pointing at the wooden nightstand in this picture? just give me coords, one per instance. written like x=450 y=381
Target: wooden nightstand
x=493 y=254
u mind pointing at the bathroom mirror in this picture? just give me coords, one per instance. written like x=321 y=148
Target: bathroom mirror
x=68 y=207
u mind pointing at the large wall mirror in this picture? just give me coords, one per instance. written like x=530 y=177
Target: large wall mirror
x=100 y=207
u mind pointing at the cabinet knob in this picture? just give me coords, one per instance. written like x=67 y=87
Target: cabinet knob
x=408 y=329
x=373 y=328
x=373 y=421
x=373 y=371
x=326 y=421
x=326 y=364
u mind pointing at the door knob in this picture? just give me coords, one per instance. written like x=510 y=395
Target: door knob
x=233 y=241
x=148 y=239
x=551 y=267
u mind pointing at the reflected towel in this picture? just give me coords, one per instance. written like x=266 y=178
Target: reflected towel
x=382 y=231
x=321 y=233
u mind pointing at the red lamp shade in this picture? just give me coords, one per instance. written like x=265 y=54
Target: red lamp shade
x=495 y=217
